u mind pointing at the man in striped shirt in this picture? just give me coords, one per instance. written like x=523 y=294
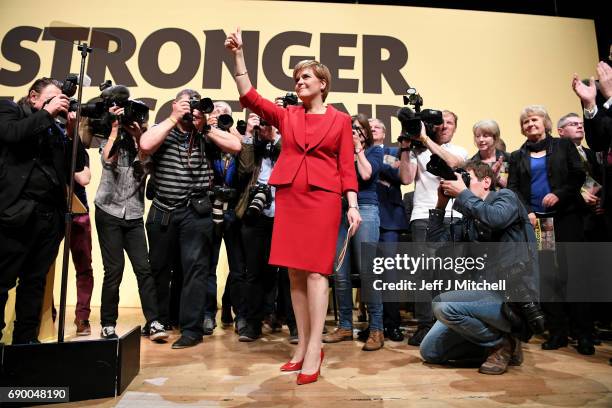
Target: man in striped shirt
x=179 y=223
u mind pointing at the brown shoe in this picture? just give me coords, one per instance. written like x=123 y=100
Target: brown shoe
x=499 y=357
x=375 y=341
x=83 y=327
x=517 y=352
x=339 y=334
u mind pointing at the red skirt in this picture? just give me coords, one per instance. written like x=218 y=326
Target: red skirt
x=306 y=222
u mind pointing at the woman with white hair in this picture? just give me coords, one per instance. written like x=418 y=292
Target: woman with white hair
x=547 y=174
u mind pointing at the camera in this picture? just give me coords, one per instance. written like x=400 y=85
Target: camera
x=241 y=127
x=411 y=119
x=440 y=168
x=257 y=128
x=521 y=300
x=69 y=85
x=260 y=197
x=118 y=95
x=289 y=99
x=359 y=131
x=69 y=88
x=225 y=122
x=204 y=105
x=222 y=195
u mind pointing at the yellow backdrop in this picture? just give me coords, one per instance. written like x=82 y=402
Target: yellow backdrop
x=478 y=64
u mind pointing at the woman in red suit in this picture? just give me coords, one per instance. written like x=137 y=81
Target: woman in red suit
x=315 y=167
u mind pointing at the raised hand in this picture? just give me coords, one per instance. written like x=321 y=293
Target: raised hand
x=604 y=72
x=586 y=93
x=233 y=42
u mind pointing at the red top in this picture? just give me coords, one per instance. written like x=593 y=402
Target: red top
x=328 y=158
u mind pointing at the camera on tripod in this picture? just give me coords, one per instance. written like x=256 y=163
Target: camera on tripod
x=411 y=119
x=260 y=197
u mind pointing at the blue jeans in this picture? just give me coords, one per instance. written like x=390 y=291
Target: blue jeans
x=468 y=323
x=368 y=232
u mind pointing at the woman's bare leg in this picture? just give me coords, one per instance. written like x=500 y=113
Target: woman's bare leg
x=299 y=300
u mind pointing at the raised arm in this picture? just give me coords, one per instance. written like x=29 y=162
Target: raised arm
x=153 y=138
x=234 y=44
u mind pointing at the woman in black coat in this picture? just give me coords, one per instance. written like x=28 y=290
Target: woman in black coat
x=547 y=175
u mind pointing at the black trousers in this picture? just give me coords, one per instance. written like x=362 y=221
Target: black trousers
x=561 y=315
x=116 y=235
x=184 y=237
x=260 y=277
x=391 y=310
x=27 y=253
x=423 y=311
x=233 y=295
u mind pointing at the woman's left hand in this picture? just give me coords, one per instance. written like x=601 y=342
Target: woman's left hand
x=354 y=218
x=550 y=200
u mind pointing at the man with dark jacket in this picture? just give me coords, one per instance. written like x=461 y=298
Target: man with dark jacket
x=393 y=219
x=34 y=169
x=597 y=103
x=474 y=323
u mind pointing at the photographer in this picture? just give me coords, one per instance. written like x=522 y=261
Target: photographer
x=475 y=324
x=34 y=171
x=413 y=162
x=179 y=224
x=256 y=208
x=119 y=211
x=228 y=226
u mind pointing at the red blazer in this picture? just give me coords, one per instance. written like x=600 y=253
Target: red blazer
x=330 y=163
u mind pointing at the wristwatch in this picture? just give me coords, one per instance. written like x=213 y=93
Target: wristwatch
x=356 y=206
x=358 y=150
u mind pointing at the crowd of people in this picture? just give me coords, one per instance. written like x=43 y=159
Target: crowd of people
x=289 y=192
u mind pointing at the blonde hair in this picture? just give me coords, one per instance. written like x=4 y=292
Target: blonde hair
x=319 y=70
x=488 y=126
x=537 y=110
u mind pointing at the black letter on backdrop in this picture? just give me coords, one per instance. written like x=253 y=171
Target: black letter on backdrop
x=101 y=38
x=330 y=56
x=374 y=67
x=27 y=59
x=215 y=56
x=272 y=58
x=148 y=59
x=64 y=38
x=385 y=113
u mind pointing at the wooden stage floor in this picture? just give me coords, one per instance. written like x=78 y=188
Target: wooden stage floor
x=226 y=373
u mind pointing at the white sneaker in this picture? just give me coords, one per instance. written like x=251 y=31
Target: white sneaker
x=108 y=332
x=157 y=331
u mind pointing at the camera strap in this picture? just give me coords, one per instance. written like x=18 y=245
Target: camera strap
x=342 y=253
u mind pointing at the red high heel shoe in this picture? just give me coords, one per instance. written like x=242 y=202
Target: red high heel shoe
x=289 y=366
x=310 y=378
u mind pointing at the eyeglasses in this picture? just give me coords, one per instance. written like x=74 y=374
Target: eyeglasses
x=573 y=124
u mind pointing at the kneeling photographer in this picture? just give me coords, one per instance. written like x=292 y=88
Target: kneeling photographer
x=483 y=324
x=256 y=208
x=179 y=224
x=120 y=207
